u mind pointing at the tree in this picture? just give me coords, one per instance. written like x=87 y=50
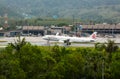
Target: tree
x=62 y=24
x=18 y=44
x=111 y=47
x=99 y=46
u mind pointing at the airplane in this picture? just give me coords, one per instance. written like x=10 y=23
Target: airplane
x=62 y=39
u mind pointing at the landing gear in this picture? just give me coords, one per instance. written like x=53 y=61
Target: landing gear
x=48 y=42
x=67 y=42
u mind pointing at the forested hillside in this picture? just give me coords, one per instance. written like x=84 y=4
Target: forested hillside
x=96 y=10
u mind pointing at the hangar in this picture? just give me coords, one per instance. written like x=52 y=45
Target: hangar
x=33 y=30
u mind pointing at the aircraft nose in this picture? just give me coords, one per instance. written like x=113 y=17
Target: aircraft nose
x=43 y=37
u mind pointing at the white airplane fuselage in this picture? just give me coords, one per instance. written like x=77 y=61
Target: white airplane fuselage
x=71 y=39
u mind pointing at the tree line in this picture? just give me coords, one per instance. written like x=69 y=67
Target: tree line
x=22 y=60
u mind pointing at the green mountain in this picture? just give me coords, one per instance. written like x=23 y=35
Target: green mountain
x=96 y=10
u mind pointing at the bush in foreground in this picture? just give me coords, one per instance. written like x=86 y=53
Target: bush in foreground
x=56 y=62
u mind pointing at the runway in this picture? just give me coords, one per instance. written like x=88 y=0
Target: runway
x=40 y=42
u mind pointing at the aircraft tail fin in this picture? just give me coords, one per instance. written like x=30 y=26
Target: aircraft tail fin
x=57 y=33
x=93 y=35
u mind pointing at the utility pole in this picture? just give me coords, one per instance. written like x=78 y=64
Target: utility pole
x=74 y=25
x=73 y=19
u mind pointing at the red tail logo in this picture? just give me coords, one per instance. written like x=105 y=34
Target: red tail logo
x=93 y=36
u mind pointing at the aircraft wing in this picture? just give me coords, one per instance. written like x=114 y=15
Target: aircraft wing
x=64 y=40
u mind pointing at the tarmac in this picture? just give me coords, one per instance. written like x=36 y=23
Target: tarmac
x=40 y=42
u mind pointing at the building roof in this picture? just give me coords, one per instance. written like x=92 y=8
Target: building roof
x=118 y=26
x=57 y=27
x=101 y=26
x=90 y=26
x=84 y=26
x=33 y=28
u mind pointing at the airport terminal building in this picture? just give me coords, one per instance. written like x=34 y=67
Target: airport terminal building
x=102 y=28
x=41 y=30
